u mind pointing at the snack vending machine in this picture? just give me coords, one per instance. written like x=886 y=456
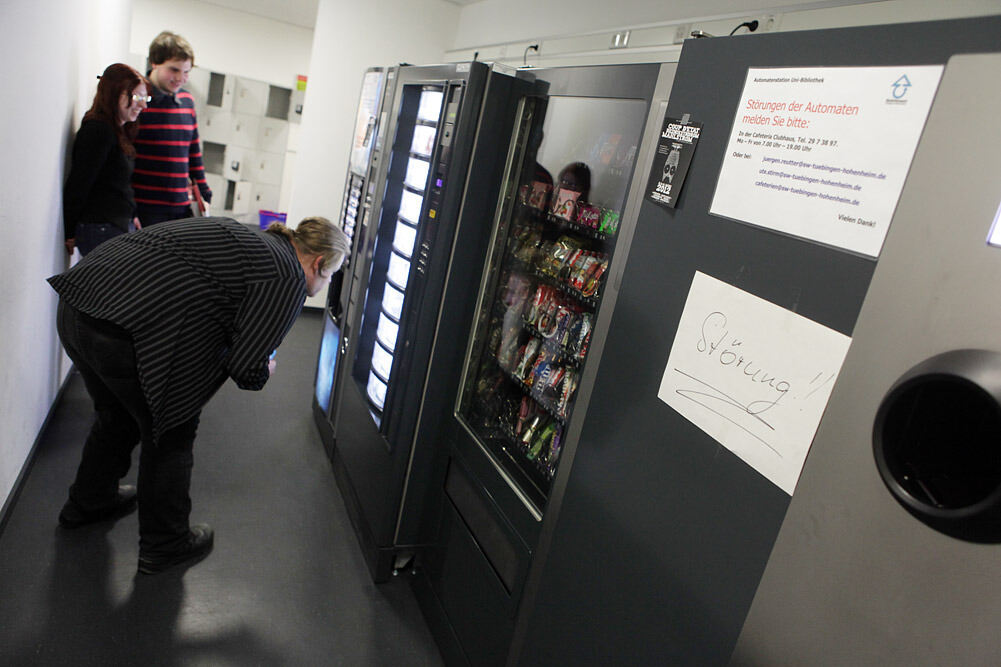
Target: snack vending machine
x=443 y=130
x=540 y=316
x=664 y=533
x=543 y=289
x=355 y=209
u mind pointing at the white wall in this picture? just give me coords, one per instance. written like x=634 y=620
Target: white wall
x=226 y=40
x=52 y=53
x=498 y=21
x=579 y=32
x=349 y=38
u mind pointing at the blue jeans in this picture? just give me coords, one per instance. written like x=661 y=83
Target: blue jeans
x=104 y=355
x=89 y=235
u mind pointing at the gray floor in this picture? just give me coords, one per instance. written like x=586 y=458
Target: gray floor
x=285 y=585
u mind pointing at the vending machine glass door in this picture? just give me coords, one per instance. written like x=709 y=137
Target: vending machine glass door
x=554 y=237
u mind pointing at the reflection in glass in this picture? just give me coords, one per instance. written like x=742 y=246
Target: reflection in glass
x=410 y=206
x=392 y=301
x=600 y=133
x=430 y=105
x=387 y=331
x=399 y=270
x=553 y=244
x=417 y=173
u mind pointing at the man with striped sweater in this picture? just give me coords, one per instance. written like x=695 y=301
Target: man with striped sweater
x=168 y=152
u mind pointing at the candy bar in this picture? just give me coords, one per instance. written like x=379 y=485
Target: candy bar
x=593 y=278
x=542 y=440
x=588 y=215
x=609 y=222
x=531 y=349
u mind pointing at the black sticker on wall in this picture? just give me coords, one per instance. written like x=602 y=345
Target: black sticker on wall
x=670 y=164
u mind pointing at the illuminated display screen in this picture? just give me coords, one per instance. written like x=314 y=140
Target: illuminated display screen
x=399 y=270
x=430 y=105
x=387 y=331
x=327 y=364
x=382 y=361
x=392 y=301
x=423 y=142
x=417 y=173
x=376 y=390
x=404 y=239
x=410 y=206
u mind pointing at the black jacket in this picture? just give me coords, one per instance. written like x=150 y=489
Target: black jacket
x=99 y=187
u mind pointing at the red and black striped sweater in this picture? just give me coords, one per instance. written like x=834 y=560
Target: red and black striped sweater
x=168 y=153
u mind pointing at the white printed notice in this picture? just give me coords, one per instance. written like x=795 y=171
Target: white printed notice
x=822 y=153
x=754 y=376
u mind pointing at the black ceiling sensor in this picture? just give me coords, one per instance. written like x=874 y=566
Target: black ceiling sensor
x=937 y=443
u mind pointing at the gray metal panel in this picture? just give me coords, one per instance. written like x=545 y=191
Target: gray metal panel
x=854 y=579
x=663 y=534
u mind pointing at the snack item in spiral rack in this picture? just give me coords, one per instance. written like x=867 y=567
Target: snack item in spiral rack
x=542 y=440
x=578 y=277
x=593 y=278
x=557 y=256
x=565 y=203
x=584 y=338
x=529 y=432
x=539 y=195
x=609 y=222
x=588 y=215
x=566 y=395
x=523 y=193
x=531 y=348
x=553 y=455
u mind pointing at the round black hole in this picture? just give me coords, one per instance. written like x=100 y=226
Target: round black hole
x=941 y=441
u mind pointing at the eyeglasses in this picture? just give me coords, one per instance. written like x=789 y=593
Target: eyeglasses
x=142 y=98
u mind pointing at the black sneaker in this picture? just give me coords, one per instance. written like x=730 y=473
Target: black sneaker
x=197 y=547
x=72 y=516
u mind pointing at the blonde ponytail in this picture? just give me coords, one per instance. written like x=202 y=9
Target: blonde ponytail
x=317 y=236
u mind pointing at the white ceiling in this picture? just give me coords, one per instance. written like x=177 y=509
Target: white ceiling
x=297 y=12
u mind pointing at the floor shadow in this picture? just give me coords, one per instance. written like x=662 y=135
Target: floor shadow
x=87 y=623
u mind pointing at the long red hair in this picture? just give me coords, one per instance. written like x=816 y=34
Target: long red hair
x=118 y=79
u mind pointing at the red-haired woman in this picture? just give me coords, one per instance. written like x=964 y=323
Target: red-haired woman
x=97 y=200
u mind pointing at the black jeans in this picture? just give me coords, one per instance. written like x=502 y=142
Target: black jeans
x=153 y=215
x=104 y=355
x=89 y=235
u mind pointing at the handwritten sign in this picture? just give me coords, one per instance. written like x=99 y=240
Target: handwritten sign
x=754 y=376
x=822 y=153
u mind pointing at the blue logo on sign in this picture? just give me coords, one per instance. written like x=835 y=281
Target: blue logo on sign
x=900 y=87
